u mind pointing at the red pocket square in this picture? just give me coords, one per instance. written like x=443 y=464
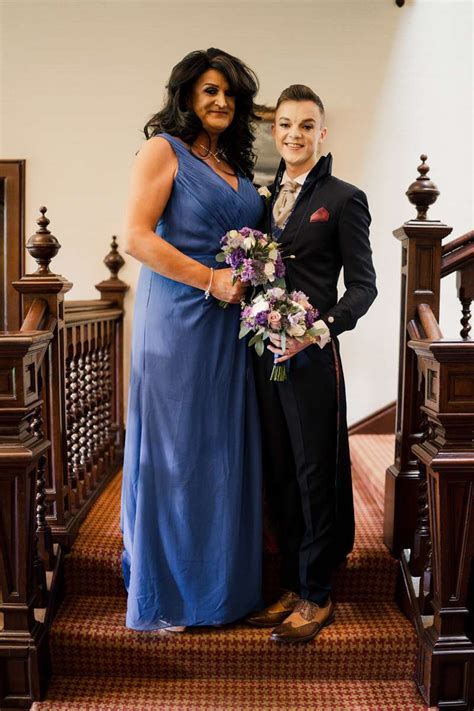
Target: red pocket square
x=321 y=215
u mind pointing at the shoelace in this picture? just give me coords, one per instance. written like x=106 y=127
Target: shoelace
x=306 y=609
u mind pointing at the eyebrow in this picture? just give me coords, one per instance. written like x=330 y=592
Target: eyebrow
x=216 y=86
x=285 y=118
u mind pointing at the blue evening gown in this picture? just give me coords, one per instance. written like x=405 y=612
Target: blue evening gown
x=191 y=497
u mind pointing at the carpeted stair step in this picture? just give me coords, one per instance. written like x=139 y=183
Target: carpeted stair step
x=135 y=694
x=368 y=641
x=369 y=574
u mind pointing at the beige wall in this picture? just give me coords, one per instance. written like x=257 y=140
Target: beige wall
x=81 y=78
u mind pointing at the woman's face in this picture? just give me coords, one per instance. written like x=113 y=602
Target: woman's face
x=212 y=101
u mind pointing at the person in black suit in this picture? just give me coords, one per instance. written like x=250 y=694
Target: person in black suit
x=324 y=222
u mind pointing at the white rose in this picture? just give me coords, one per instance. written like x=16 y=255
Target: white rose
x=259 y=306
x=296 y=330
x=249 y=242
x=264 y=192
x=273 y=254
x=276 y=293
x=269 y=269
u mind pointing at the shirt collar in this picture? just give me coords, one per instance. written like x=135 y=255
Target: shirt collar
x=299 y=179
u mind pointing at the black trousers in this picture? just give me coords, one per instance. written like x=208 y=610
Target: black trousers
x=299 y=421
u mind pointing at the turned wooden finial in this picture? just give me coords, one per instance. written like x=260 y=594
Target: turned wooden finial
x=114 y=260
x=43 y=246
x=423 y=192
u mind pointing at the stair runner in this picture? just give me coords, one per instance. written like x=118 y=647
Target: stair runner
x=364 y=662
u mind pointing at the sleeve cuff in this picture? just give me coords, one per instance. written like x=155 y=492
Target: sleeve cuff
x=325 y=337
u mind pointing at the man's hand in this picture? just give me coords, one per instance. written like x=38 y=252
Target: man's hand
x=223 y=289
x=292 y=346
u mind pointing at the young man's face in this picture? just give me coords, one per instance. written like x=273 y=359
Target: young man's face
x=298 y=132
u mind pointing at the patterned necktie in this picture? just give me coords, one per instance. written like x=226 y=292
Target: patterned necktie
x=285 y=202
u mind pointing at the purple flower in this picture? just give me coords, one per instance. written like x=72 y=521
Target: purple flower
x=245 y=231
x=279 y=267
x=309 y=319
x=248 y=271
x=235 y=258
x=261 y=319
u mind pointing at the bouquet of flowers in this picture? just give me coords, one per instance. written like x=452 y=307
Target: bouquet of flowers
x=277 y=311
x=253 y=257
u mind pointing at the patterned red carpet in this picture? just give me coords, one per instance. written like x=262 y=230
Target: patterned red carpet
x=364 y=662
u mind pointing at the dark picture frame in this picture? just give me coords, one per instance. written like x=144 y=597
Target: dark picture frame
x=12 y=241
x=268 y=158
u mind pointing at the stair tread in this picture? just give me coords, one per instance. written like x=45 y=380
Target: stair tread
x=367 y=641
x=142 y=694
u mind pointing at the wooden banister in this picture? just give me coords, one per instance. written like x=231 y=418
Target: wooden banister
x=445 y=537
x=457 y=259
x=433 y=524
x=61 y=439
x=35 y=316
x=421 y=263
x=429 y=323
x=458 y=242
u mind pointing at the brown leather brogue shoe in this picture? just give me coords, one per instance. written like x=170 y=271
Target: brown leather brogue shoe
x=276 y=613
x=305 y=622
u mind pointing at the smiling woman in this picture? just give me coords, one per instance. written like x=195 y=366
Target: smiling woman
x=191 y=503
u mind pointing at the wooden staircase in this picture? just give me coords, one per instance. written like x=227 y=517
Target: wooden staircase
x=364 y=661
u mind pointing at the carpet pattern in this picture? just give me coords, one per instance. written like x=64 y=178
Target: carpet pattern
x=364 y=662
x=119 y=694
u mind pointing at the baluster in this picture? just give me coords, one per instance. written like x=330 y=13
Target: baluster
x=466 y=318
x=43 y=552
x=71 y=410
x=420 y=562
x=82 y=424
x=89 y=399
x=74 y=413
x=465 y=286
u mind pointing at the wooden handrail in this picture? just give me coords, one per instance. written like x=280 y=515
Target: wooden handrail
x=35 y=316
x=457 y=259
x=87 y=305
x=458 y=242
x=429 y=323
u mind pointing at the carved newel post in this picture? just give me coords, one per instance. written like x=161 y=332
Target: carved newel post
x=114 y=289
x=51 y=288
x=445 y=669
x=421 y=274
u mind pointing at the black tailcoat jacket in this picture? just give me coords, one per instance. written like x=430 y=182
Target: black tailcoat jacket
x=327 y=231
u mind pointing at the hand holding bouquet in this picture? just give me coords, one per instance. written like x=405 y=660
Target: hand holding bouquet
x=253 y=257
x=290 y=315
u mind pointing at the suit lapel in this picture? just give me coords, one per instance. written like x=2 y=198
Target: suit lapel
x=321 y=170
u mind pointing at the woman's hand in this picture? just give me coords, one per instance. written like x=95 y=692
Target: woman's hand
x=293 y=346
x=223 y=289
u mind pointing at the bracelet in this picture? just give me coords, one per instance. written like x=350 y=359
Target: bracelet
x=207 y=293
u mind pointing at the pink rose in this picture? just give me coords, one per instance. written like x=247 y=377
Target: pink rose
x=274 y=320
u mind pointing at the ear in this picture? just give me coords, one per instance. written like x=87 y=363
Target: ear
x=322 y=135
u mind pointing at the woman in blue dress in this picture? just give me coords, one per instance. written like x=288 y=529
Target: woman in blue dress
x=191 y=497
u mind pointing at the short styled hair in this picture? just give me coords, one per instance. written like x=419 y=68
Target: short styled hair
x=300 y=92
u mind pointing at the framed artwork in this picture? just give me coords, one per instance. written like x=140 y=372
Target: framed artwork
x=268 y=158
x=12 y=241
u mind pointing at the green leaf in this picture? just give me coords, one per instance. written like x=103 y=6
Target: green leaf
x=220 y=257
x=259 y=347
x=254 y=339
x=244 y=330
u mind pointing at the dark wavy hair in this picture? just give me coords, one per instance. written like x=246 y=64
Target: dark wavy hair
x=178 y=119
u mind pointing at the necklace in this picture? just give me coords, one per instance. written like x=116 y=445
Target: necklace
x=208 y=151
